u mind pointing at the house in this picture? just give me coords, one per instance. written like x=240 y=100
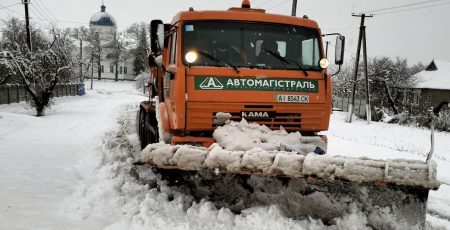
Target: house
x=432 y=87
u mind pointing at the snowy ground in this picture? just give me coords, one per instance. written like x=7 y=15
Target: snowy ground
x=70 y=170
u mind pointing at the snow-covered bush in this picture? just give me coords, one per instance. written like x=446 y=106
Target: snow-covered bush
x=142 y=80
x=443 y=121
x=388 y=81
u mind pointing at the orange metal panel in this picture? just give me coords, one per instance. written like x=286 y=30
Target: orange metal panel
x=204 y=141
x=243 y=16
x=192 y=110
x=311 y=117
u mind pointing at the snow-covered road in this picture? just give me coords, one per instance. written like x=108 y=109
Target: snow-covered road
x=70 y=170
x=38 y=154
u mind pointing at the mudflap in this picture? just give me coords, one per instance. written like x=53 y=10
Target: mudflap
x=386 y=206
x=147 y=127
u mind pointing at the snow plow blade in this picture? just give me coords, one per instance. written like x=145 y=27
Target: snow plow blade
x=390 y=193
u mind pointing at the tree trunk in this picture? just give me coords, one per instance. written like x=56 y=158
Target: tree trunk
x=117 y=72
x=99 y=69
x=390 y=99
x=40 y=111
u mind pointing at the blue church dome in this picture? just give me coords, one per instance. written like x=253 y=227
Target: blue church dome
x=102 y=19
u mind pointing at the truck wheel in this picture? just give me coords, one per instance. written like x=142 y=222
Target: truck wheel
x=151 y=128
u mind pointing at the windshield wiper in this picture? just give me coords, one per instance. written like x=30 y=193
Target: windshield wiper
x=284 y=60
x=218 y=61
x=300 y=67
x=279 y=57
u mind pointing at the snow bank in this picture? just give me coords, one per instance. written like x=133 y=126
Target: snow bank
x=108 y=189
x=243 y=136
x=224 y=159
x=242 y=146
x=399 y=171
x=107 y=195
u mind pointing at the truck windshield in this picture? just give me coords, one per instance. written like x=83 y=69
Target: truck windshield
x=252 y=45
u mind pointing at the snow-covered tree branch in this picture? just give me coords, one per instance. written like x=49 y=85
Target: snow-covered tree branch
x=388 y=82
x=40 y=70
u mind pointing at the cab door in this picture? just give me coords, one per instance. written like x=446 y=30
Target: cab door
x=174 y=84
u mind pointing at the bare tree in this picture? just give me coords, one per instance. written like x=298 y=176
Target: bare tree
x=41 y=70
x=118 y=51
x=388 y=81
x=95 y=49
x=80 y=35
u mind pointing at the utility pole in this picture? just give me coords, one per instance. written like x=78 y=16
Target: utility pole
x=368 y=110
x=81 y=58
x=294 y=7
x=99 y=55
x=326 y=49
x=27 y=23
x=361 y=39
x=92 y=71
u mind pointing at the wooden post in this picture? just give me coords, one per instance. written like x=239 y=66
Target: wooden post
x=8 y=100
x=358 y=52
x=368 y=109
x=294 y=8
x=27 y=24
x=18 y=95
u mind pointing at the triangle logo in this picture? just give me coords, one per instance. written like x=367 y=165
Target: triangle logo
x=211 y=83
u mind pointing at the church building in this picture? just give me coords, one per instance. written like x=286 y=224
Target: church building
x=106 y=26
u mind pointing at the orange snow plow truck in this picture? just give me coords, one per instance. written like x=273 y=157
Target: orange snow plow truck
x=244 y=69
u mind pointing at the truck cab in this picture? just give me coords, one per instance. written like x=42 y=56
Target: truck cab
x=243 y=62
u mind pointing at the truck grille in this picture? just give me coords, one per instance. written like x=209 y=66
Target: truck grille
x=289 y=121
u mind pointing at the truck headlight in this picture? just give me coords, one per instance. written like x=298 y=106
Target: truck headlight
x=191 y=57
x=324 y=63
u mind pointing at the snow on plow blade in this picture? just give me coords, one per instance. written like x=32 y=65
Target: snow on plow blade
x=390 y=193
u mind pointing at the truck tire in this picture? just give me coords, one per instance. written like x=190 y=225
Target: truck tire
x=150 y=129
x=141 y=128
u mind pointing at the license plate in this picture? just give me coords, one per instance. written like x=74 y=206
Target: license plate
x=292 y=98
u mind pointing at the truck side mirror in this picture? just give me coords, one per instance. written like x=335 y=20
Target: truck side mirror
x=161 y=38
x=156 y=36
x=339 y=52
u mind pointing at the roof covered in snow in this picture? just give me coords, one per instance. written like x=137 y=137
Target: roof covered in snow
x=435 y=76
x=102 y=18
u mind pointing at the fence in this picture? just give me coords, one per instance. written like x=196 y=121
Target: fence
x=16 y=93
x=342 y=102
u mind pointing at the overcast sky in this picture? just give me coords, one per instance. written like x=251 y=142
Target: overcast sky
x=421 y=34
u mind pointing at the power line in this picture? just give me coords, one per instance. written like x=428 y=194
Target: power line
x=4 y=7
x=21 y=14
x=40 y=3
x=74 y=22
x=36 y=12
x=66 y=21
x=279 y=4
x=42 y=13
x=264 y=3
x=416 y=8
x=44 y=18
x=402 y=6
